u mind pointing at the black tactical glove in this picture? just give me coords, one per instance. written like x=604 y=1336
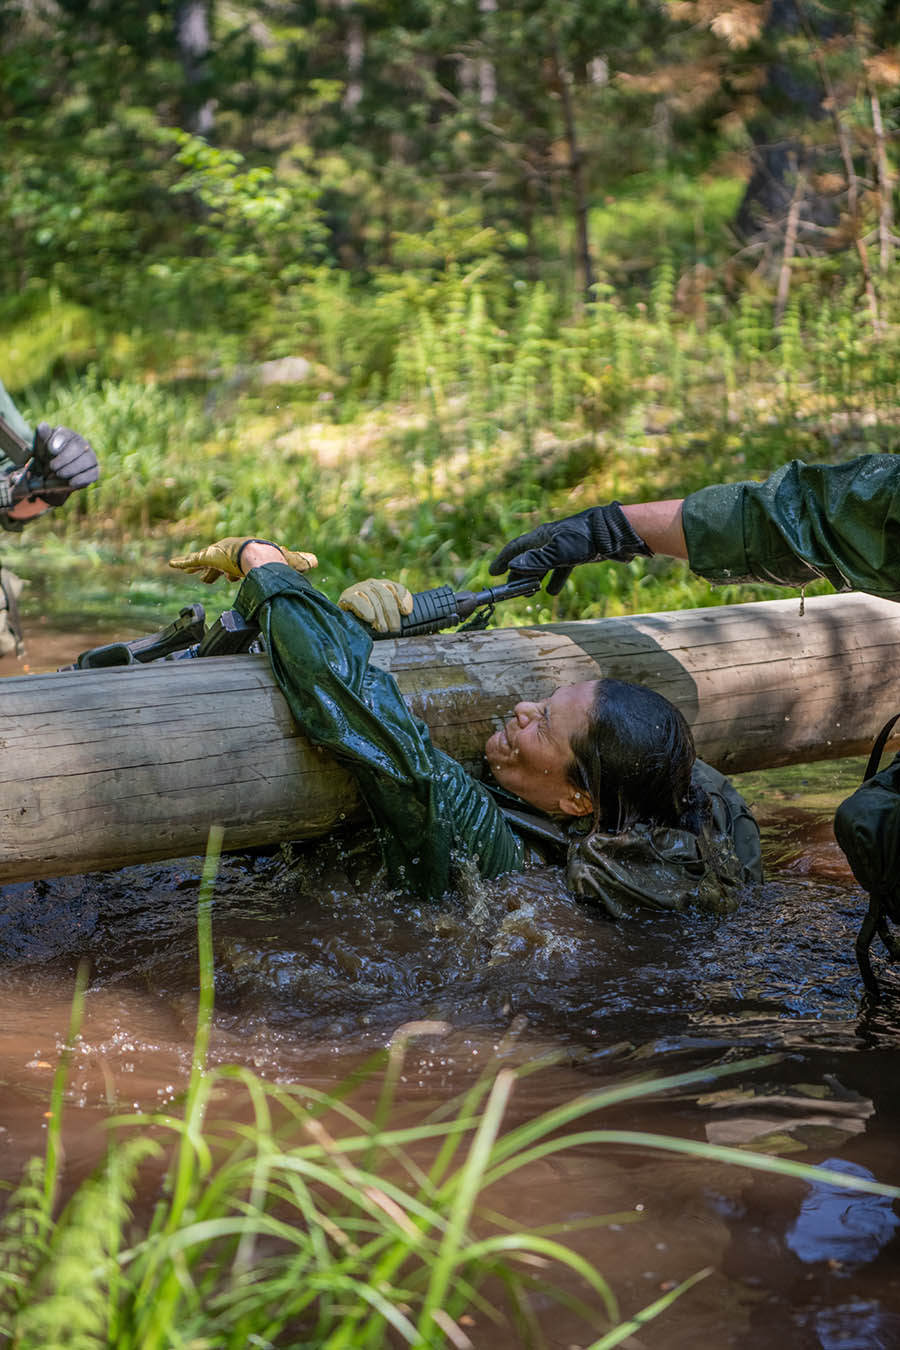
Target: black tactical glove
x=599 y=534
x=65 y=460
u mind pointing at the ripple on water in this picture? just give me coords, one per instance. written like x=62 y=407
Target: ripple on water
x=317 y=963
x=321 y=941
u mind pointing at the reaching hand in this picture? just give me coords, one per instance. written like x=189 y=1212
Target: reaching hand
x=379 y=603
x=601 y=533
x=62 y=454
x=223 y=559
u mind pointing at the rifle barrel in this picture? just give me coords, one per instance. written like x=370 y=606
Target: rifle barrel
x=468 y=601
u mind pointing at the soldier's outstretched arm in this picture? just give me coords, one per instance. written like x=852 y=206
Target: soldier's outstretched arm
x=805 y=521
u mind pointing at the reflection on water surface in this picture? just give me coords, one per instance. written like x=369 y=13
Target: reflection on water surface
x=316 y=965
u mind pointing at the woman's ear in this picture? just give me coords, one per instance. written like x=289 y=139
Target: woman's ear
x=576 y=803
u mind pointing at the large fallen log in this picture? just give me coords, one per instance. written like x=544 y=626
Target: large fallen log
x=104 y=768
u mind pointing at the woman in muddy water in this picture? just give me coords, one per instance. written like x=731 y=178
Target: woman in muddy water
x=603 y=771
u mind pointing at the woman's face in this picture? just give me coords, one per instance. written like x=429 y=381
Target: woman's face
x=530 y=754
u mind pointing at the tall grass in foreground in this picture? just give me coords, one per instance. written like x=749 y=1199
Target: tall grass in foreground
x=302 y=1223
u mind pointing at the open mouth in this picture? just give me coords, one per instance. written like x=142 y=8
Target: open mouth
x=501 y=744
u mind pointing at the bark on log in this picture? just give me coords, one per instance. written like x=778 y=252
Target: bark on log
x=104 y=768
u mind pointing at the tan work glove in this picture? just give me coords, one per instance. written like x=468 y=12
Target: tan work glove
x=223 y=558
x=379 y=603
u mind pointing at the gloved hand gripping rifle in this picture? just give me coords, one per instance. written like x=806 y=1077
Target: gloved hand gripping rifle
x=28 y=479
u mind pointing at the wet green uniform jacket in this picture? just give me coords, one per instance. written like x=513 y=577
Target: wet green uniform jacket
x=10 y=413
x=427 y=810
x=841 y=522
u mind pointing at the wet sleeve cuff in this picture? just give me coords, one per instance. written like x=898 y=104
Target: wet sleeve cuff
x=713 y=521
x=264 y=583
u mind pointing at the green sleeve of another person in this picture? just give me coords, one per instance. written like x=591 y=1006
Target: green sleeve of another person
x=840 y=522
x=10 y=413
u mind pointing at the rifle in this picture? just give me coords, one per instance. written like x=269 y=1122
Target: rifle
x=27 y=482
x=188 y=636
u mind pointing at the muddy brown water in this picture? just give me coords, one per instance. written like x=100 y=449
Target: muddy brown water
x=317 y=965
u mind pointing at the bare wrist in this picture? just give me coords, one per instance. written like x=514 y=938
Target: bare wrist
x=256 y=553
x=659 y=525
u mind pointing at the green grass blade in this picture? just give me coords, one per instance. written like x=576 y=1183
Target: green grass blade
x=469 y=1184
x=58 y=1090
x=634 y=1324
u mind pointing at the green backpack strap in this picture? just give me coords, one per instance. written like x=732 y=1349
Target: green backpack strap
x=878 y=747
x=882 y=905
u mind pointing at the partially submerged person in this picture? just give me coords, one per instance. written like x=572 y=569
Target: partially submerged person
x=803 y=522
x=604 y=769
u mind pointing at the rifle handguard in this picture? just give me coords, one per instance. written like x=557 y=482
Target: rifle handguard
x=432 y=611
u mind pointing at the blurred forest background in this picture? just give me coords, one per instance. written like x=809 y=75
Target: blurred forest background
x=392 y=279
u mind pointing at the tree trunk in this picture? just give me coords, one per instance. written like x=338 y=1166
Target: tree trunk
x=790 y=248
x=355 y=51
x=487 y=73
x=101 y=768
x=790 y=98
x=577 y=180
x=885 y=188
x=192 y=36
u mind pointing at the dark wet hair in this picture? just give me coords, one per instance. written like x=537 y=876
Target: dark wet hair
x=635 y=759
